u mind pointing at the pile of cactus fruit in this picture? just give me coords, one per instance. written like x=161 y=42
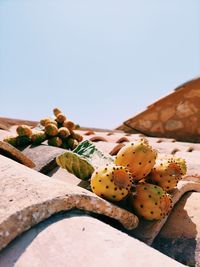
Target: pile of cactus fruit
x=137 y=174
x=59 y=132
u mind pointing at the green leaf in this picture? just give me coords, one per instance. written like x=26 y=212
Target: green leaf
x=88 y=150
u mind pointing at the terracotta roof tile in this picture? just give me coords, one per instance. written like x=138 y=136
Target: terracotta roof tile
x=107 y=141
x=75 y=239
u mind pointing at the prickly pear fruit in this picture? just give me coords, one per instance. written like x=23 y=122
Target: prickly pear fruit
x=63 y=132
x=60 y=117
x=69 y=124
x=45 y=121
x=167 y=172
x=138 y=157
x=24 y=130
x=18 y=141
x=111 y=182
x=51 y=129
x=77 y=136
x=182 y=164
x=55 y=141
x=150 y=201
x=56 y=111
x=38 y=137
x=12 y=140
x=70 y=143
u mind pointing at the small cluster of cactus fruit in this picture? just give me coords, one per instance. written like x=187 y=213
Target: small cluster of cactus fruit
x=140 y=176
x=59 y=132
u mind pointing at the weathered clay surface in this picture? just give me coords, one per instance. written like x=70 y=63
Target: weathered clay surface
x=43 y=156
x=28 y=197
x=10 y=151
x=76 y=239
x=180 y=236
x=146 y=230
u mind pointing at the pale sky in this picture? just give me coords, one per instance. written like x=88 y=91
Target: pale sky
x=101 y=62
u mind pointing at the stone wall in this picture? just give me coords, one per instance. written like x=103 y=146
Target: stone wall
x=174 y=116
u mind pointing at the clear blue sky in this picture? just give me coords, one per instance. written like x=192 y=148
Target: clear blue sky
x=101 y=62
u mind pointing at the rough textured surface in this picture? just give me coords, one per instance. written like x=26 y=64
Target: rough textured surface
x=176 y=115
x=28 y=197
x=180 y=236
x=75 y=239
x=10 y=151
x=43 y=156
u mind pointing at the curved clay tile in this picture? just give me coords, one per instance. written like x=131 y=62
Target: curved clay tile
x=122 y=140
x=98 y=138
x=110 y=133
x=90 y=132
x=116 y=149
x=174 y=151
x=28 y=197
x=13 y=153
x=190 y=149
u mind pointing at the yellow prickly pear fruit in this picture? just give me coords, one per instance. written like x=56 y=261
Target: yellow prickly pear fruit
x=38 y=138
x=111 y=182
x=55 y=141
x=56 y=111
x=63 y=132
x=24 y=130
x=51 y=129
x=167 y=172
x=69 y=124
x=138 y=157
x=150 y=201
x=60 y=118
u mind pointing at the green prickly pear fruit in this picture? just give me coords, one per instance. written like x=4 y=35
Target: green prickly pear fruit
x=167 y=172
x=38 y=137
x=111 y=182
x=63 y=132
x=138 y=157
x=56 y=111
x=24 y=130
x=150 y=201
x=71 y=143
x=12 y=140
x=51 y=129
x=18 y=141
x=55 y=141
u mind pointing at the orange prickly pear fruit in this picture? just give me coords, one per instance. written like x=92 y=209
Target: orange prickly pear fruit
x=150 y=201
x=138 y=157
x=167 y=172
